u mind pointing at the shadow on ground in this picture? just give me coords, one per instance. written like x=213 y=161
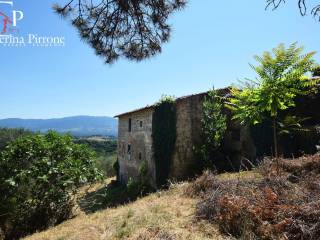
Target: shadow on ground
x=110 y=195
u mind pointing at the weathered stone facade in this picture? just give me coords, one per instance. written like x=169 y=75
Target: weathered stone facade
x=189 y=114
x=237 y=145
x=135 y=144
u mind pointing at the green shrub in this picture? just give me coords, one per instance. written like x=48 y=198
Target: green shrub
x=133 y=188
x=143 y=170
x=141 y=186
x=144 y=178
x=213 y=129
x=116 y=193
x=38 y=176
x=8 y=135
x=106 y=151
x=316 y=72
x=101 y=145
x=105 y=163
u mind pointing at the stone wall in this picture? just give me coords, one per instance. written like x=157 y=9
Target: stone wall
x=140 y=140
x=237 y=144
x=237 y=147
x=189 y=113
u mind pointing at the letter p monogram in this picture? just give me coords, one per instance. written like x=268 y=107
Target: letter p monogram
x=17 y=16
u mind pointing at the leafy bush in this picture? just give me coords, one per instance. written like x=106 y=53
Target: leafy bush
x=105 y=149
x=141 y=186
x=116 y=193
x=316 y=72
x=102 y=145
x=133 y=188
x=105 y=163
x=8 y=135
x=214 y=126
x=38 y=176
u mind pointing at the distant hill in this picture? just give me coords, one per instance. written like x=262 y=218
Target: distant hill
x=77 y=125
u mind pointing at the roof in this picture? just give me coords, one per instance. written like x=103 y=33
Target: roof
x=148 y=107
x=135 y=110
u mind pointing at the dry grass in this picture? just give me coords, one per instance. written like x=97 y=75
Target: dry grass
x=243 y=175
x=282 y=202
x=265 y=204
x=165 y=215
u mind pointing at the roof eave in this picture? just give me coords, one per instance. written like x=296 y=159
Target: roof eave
x=134 y=111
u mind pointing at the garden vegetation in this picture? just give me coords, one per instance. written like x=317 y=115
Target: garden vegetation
x=214 y=126
x=39 y=176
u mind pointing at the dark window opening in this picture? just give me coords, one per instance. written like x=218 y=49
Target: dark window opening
x=140 y=156
x=141 y=124
x=130 y=121
x=129 y=149
x=236 y=134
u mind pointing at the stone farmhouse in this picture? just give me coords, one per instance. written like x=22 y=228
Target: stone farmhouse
x=135 y=140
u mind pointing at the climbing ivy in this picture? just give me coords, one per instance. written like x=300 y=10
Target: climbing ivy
x=164 y=137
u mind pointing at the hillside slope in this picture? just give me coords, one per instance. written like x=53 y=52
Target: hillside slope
x=162 y=215
x=77 y=125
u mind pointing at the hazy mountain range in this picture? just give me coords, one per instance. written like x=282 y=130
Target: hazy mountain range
x=77 y=125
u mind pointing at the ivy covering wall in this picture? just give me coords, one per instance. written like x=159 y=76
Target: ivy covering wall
x=164 y=137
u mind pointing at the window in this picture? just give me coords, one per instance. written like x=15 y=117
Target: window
x=130 y=123
x=129 y=149
x=140 y=155
x=141 y=124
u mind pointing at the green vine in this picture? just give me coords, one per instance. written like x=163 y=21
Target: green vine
x=164 y=137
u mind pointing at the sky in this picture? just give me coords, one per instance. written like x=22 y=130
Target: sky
x=212 y=44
